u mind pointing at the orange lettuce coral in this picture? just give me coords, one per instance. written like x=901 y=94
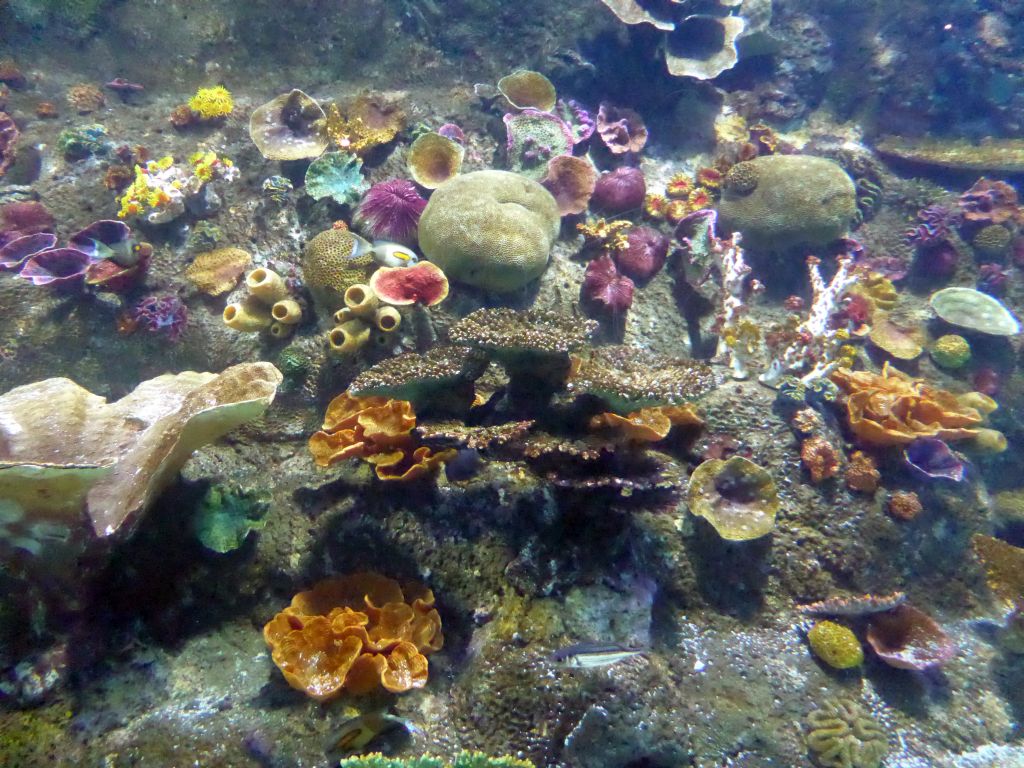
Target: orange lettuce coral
x=892 y=408
x=355 y=633
x=648 y=425
x=378 y=430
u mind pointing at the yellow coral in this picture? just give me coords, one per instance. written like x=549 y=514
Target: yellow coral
x=836 y=645
x=606 y=235
x=212 y=103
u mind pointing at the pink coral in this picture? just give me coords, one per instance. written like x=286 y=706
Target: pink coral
x=605 y=290
x=645 y=254
x=622 y=130
x=619 y=191
x=391 y=210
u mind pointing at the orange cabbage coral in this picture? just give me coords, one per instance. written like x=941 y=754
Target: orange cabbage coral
x=355 y=633
x=892 y=408
x=648 y=425
x=378 y=430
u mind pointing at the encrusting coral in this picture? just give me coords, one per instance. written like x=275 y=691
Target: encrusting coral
x=377 y=430
x=462 y=760
x=891 y=408
x=355 y=633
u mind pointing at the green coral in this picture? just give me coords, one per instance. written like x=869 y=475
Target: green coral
x=798 y=199
x=993 y=241
x=225 y=518
x=951 y=351
x=463 y=760
x=204 y=236
x=337 y=175
x=83 y=141
x=295 y=366
x=842 y=735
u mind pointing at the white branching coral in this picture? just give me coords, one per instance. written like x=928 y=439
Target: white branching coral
x=739 y=337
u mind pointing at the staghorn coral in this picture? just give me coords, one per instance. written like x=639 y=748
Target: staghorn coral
x=891 y=408
x=378 y=430
x=490 y=229
x=736 y=496
x=216 y=272
x=629 y=378
x=836 y=645
x=842 y=735
x=355 y=633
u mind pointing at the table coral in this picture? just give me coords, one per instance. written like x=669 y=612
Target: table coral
x=441 y=375
x=355 y=633
x=891 y=408
x=842 y=735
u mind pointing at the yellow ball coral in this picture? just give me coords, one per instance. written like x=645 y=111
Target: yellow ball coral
x=212 y=103
x=836 y=645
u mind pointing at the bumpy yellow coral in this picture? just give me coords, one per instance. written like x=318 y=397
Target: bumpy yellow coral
x=836 y=645
x=212 y=103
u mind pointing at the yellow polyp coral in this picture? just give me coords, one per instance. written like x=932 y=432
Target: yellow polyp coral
x=836 y=645
x=377 y=430
x=607 y=236
x=356 y=634
x=353 y=134
x=892 y=408
x=212 y=103
x=206 y=165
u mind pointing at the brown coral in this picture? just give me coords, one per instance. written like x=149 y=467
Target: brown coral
x=378 y=430
x=862 y=473
x=218 y=271
x=904 y=505
x=355 y=633
x=820 y=458
x=1004 y=567
x=85 y=98
x=892 y=408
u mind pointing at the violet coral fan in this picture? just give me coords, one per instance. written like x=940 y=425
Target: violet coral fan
x=391 y=210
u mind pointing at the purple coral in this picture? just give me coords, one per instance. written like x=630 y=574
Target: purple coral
x=15 y=253
x=605 y=290
x=58 y=268
x=391 y=210
x=932 y=458
x=453 y=132
x=935 y=224
x=619 y=191
x=646 y=254
x=162 y=314
x=992 y=279
x=579 y=120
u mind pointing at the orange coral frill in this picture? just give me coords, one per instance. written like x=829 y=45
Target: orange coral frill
x=378 y=430
x=647 y=425
x=355 y=633
x=892 y=408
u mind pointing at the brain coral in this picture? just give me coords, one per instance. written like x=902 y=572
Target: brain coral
x=331 y=262
x=355 y=633
x=842 y=735
x=779 y=201
x=490 y=229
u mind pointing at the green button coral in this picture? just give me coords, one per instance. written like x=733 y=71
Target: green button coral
x=780 y=201
x=951 y=351
x=331 y=262
x=836 y=645
x=490 y=229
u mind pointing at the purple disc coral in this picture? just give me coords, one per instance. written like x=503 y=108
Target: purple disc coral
x=622 y=130
x=106 y=239
x=162 y=314
x=932 y=458
x=59 y=268
x=605 y=290
x=646 y=254
x=533 y=138
x=453 y=132
x=619 y=191
x=391 y=210
x=938 y=261
x=18 y=251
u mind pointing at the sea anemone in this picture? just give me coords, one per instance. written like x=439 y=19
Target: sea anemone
x=391 y=210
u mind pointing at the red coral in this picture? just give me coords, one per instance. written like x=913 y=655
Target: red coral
x=605 y=290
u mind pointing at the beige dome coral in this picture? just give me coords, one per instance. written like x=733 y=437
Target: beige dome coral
x=331 y=262
x=787 y=200
x=490 y=229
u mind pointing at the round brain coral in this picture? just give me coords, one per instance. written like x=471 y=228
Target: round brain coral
x=794 y=200
x=331 y=262
x=490 y=229
x=355 y=633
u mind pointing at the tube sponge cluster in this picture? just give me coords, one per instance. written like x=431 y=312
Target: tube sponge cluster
x=268 y=306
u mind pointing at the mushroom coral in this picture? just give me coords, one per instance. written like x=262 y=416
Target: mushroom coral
x=378 y=430
x=355 y=633
x=892 y=408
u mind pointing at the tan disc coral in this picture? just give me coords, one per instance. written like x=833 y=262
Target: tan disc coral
x=736 y=496
x=355 y=633
x=284 y=128
x=69 y=457
x=490 y=229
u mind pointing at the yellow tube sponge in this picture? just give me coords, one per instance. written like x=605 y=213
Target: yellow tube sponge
x=246 y=316
x=281 y=330
x=361 y=300
x=348 y=338
x=387 y=319
x=266 y=285
x=286 y=311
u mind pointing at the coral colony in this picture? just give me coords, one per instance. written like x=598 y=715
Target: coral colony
x=422 y=390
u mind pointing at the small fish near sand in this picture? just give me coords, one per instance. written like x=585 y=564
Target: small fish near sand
x=588 y=655
x=355 y=735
